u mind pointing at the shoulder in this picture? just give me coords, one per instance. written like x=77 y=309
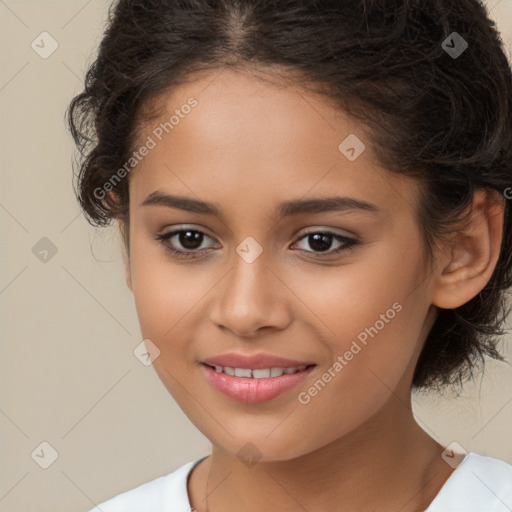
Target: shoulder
x=153 y=495
x=479 y=483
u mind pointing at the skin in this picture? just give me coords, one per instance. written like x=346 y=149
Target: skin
x=247 y=146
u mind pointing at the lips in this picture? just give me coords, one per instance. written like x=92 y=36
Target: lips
x=254 y=379
x=257 y=361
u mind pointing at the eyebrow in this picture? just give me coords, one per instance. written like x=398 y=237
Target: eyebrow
x=284 y=209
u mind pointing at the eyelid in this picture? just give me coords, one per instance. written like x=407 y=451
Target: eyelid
x=327 y=230
x=177 y=229
x=183 y=227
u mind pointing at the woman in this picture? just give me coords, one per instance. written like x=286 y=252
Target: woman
x=312 y=200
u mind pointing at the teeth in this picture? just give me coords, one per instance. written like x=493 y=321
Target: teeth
x=276 y=372
x=260 y=373
x=242 y=372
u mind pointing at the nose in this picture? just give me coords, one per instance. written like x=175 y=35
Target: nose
x=251 y=298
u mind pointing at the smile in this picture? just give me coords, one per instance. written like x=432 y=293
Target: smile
x=258 y=385
x=257 y=373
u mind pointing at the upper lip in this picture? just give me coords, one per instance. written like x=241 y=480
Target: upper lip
x=256 y=361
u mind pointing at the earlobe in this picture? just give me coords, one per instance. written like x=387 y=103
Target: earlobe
x=473 y=253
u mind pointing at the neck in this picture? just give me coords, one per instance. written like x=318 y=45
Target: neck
x=387 y=464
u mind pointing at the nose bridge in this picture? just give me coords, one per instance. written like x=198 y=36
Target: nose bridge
x=248 y=297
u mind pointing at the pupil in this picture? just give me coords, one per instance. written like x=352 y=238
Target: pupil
x=189 y=239
x=319 y=241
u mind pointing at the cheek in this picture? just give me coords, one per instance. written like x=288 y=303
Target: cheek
x=358 y=297
x=370 y=314
x=368 y=359
x=165 y=293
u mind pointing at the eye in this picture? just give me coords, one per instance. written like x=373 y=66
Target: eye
x=322 y=240
x=190 y=239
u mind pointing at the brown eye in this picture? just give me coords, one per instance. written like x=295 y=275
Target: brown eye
x=321 y=242
x=190 y=239
x=184 y=243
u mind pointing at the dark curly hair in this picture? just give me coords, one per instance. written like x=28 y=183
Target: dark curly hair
x=443 y=118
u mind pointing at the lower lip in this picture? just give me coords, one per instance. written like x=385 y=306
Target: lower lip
x=253 y=391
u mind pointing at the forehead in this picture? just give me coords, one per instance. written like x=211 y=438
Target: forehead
x=261 y=142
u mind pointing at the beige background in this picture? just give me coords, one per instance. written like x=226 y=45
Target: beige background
x=68 y=375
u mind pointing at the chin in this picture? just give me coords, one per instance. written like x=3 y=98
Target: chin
x=260 y=445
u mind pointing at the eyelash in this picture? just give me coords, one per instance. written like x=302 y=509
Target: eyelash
x=163 y=239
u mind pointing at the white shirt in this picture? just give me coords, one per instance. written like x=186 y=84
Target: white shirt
x=478 y=484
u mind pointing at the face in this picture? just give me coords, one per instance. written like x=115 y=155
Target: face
x=340 y=288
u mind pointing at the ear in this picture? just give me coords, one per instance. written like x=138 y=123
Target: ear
x=469 y=262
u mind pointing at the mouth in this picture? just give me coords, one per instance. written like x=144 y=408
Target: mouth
x=255 y=385
x=257 y=373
